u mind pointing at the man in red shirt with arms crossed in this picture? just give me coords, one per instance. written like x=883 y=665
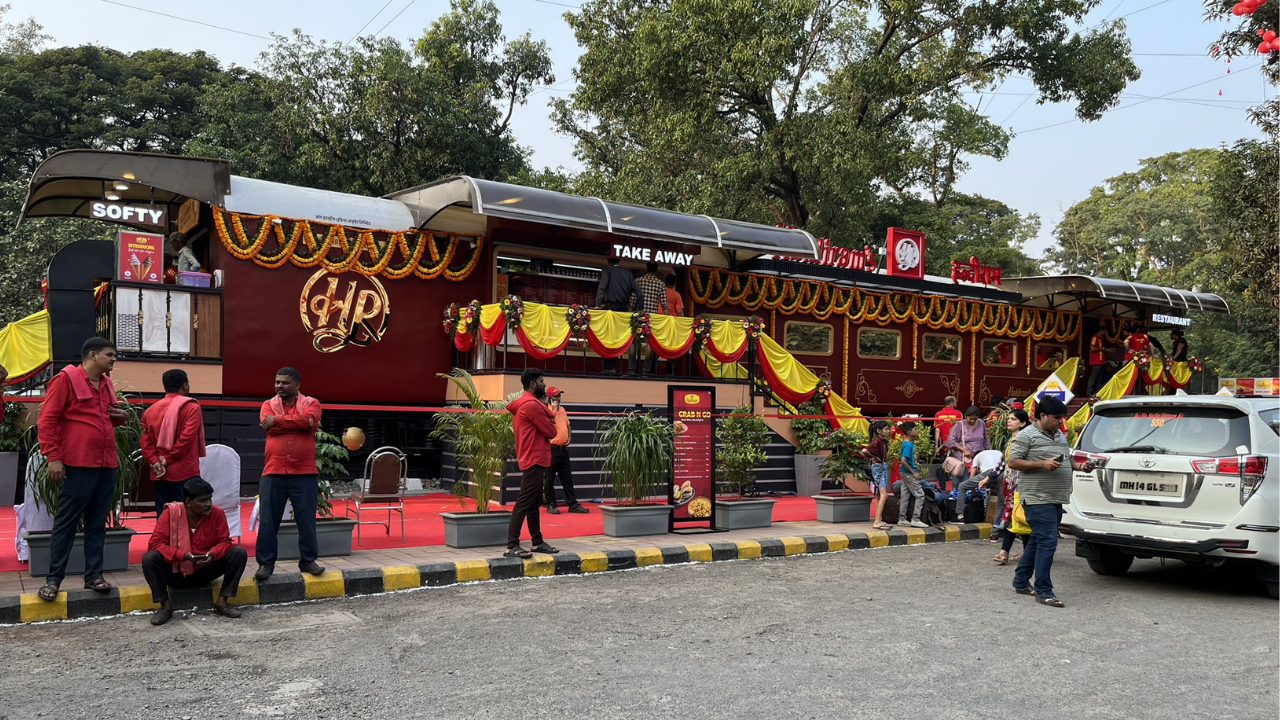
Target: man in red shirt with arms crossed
x=289 y=475
x=173 y=439
x=77 y=435
x=534 y=427
x=191 y=547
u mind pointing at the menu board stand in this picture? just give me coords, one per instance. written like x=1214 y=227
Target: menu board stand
x=691 y=487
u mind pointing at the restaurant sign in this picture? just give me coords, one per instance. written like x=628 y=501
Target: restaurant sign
x=840 y=257
x=906 y=253
x=692 y=486
x=974 y=271
x=119 y=212
x=337 y=317
x=662 y=257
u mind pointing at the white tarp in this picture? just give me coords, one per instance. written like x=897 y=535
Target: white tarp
x=259 y=197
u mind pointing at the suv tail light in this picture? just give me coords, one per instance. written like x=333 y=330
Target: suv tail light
x=1251 y=469
x=1082 y=457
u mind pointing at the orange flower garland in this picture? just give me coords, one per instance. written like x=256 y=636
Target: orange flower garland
x=308 y=244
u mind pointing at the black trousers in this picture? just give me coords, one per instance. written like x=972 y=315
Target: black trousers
x=527 y=504
x=168 y=491
x=1007 y=538
x=160 y=575
x=1097 y=378
x=560 y=467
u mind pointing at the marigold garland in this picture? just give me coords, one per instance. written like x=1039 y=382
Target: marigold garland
x=715 y=288
x=339 y=249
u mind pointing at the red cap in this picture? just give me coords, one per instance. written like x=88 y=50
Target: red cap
x=554 y=391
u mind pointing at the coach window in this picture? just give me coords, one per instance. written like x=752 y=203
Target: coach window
x=807 y=338
x=939 y=348
x=879 y=344
x=999 y=353
x=1050 y=356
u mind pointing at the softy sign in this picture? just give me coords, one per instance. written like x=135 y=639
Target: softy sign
x=118 y=212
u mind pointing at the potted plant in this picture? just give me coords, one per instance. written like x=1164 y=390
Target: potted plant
x=115 y=554
x=333 y=534
x=636 y=450
x=11 y=446
x=742 y=437
x=482 y=442
x=848 y=463
x=811 y=450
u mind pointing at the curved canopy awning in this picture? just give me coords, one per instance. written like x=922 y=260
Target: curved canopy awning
x=1059 y=291
x=504 y=200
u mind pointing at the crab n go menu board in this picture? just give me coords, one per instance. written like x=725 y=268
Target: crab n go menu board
x=692 y=488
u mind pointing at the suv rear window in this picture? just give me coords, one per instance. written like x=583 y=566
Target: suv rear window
x=1200 y=431
x=1271 y=416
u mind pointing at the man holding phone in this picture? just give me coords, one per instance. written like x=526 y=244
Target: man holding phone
x=1039 y=453
x=190 y=547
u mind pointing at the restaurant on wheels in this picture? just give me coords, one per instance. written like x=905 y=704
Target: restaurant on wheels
x=774 y=317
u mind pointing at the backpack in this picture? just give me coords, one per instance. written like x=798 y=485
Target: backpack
x=890 y=513
x=932 y=514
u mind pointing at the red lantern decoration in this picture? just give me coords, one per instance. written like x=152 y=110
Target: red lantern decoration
x=1263 y=48
x=1269 y=35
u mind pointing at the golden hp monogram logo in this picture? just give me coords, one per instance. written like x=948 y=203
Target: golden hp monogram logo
x=337 y=317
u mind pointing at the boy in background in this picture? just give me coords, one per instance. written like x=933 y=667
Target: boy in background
x=911 y=477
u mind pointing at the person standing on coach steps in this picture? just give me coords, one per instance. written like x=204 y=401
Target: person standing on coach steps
x=77 y=434
x=290 y=419
x=534 y=427
x=561 y=464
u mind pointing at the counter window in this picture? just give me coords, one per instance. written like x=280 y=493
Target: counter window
x=545 y=280
x=884 y=344
x=945 y=349
x=1049 y=356
x=999 y=353
x=808 y=338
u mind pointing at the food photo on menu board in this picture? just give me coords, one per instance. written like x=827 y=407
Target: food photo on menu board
x=692 y=487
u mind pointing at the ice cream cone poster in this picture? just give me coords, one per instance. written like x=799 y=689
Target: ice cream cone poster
x=140 y=257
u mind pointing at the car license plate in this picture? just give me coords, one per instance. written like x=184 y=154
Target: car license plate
x=1149 y=484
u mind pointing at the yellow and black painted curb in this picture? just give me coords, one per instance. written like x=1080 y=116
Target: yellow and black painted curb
x=282 y=588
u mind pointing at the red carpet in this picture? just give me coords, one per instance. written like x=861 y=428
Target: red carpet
x=422 y=525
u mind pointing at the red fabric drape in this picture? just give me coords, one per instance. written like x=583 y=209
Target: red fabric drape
x=493 y=336
x=464 y=341
x=835 y=423
x=726 y=357
x=667 y=354
x=776 y=384
x=536 y=352
x=605 y=352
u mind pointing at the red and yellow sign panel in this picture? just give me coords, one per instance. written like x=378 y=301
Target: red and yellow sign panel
x=692 y=489
x=139 y=257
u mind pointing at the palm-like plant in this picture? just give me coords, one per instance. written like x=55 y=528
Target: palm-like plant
x=636 y=449
x=483 y=440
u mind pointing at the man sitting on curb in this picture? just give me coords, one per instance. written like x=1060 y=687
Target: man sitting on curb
x=190 y=547
x=988 y=468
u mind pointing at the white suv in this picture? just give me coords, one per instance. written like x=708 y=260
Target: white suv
x=1191 y=477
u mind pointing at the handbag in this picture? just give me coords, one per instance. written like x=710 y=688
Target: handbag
x=953 y=466
x=1018 y=522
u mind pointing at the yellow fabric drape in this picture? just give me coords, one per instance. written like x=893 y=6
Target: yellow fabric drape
x=545 y=326
x=489 y=315
x=1120 y=384
x=722 y=370
x=1154 y=372
x=1066 y=374
x=1077 y=422
x=1181 y=373
x=25 y=345
x=791 y=372
x=728 y=335
x=842 y=408
x=670 y=331
x=611 y=328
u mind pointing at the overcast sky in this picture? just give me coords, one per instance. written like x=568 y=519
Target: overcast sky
x=1049 y=167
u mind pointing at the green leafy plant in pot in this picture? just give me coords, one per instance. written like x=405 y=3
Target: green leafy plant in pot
x=128 y=453
x=742 y=438
x=811 y=433
x=331 y=463
x=12 y=430
x=483 y=441
x=636 y=450
x=849 y=457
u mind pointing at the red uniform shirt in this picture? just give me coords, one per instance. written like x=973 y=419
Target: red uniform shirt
x=1097 y=350
x=943 y=421
x=210 y=536
x=184 y=457
x=80 y=433
x=1136 y=343
x=534 y=427
x=291 y=442
x=675 y=303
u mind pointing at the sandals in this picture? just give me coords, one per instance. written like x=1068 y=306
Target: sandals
x=545 y=548
x=1025 y=591
x=882 y=526
x=517 y=552
x=48 y=593
x=1050 y=601
x=97 y=585
x=1001 y=560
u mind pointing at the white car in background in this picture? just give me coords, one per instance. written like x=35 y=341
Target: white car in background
x=1191 y=477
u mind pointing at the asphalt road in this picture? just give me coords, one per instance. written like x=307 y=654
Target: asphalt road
x=929 y=631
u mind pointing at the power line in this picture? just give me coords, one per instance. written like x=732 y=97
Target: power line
x=366 y=24
x=393 y=19
x=550 y=2
x=189 y=20
x=1122 y=107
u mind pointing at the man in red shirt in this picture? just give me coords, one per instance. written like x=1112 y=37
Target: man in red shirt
x=1097 y=361
x=289 y=475
x=534 y=427
x=191 y=547
x=77 y=435
x=675 y=306
x=173 y=439
x=944 y=419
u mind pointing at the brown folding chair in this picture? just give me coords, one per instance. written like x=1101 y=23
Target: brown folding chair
x=386 y=473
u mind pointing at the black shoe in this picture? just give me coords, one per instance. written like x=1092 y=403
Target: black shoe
x=1024 y=591
x=545 y=548
x=161 y=617
x=553 y=510
x=226 y=611
x=576 y=508
x=264 y=572
x=312 y=568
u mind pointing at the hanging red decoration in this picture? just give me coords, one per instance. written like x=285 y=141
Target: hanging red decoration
x=1237 y=10
x=1263 y=48
x=1269 y=35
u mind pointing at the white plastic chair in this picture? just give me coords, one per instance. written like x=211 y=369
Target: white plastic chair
x=220 y=467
